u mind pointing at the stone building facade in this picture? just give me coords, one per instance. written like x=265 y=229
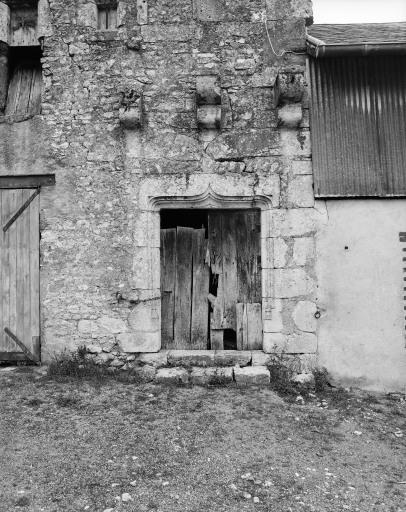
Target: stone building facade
x=153 y=105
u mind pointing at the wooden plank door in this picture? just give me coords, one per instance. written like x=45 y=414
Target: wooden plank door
x=19 y=275
x=234 y=241
x=184 y=288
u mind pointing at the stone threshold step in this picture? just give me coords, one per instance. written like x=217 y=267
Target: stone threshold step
x=247 y=376
x=204 y=358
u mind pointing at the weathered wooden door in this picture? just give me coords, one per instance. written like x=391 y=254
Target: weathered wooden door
x=211 y=283
x=19 y=275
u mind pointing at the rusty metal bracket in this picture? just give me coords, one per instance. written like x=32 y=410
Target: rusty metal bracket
x=26 y=351
x=11 y=221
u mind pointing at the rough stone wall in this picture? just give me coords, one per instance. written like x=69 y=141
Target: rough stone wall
x=120 y=125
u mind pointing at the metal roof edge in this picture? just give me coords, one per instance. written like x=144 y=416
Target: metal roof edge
x=319 y=49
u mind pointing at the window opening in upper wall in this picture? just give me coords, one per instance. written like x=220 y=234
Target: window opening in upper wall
x=23 y=23
x=107 y=16
x=25 y=84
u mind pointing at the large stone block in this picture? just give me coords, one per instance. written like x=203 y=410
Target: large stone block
x=280 y=252
x=295 y=143
x=251 y=375
x=267 y=252
x=232 y=357
x=260 y=358
x=112 y=325
x=191 y=358
x=292 y=282
x=278 y=9
x=145 y=316
x=273 y=322
x=303 y=343
x=292 y=222
x=172 y=376
x=303 y=316
x=274 y=342
x=158 y=360
x=302 y=167
x=205 y=376
x=146 y=373
x=303 y=251
x=300 y=192
x=146 y=265
x=139 y=341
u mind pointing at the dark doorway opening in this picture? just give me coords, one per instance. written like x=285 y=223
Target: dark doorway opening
x=211 y=279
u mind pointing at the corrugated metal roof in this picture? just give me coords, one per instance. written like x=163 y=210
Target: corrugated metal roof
x=362 y=38
x=358 y=121
x=356 y=33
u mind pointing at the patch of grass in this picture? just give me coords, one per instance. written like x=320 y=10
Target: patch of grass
x=77 y=365
x=282 y=373
x=67 y=400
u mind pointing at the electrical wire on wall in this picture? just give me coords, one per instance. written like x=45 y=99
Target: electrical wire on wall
x=273 y=49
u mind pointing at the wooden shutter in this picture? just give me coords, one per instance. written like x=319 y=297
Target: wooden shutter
x=19 y=275
x=24 y=92
x=107 y=18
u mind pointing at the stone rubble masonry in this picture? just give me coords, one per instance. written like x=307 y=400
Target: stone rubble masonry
x=100 y=259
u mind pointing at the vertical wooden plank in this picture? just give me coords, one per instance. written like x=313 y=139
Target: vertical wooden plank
x=229 y=257
x=216 y=266
x=15 y=203
x=200 y=292
x=1 y=271
x=183 y=287
x=34 y=102
x=13 y=92
x=243 y=275
x=19 y=229
x=34 y=268
x=5 y=263
x=216 y=339
x=249 y=251
x=254 y=225
x=25 y=90
x=254 y=326
x=240 y=330
x=24 y=292
x=168 y=273
x=112 y=19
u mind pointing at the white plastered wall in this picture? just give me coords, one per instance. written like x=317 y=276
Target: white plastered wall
x=361 y=333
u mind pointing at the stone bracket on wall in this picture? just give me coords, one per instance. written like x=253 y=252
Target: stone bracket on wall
x=131 y=111
x=208 y=103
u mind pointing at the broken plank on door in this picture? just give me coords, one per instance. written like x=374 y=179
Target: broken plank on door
x=248 y=250
x=249 y=326
x=183 y=287
x=229 y=282
x=216 y=266
x=216 y=339
x=200 y=292
x=242 y=326
x=168 y=271
x=254 y=323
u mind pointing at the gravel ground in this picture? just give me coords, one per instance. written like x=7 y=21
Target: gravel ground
x=73 y=445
